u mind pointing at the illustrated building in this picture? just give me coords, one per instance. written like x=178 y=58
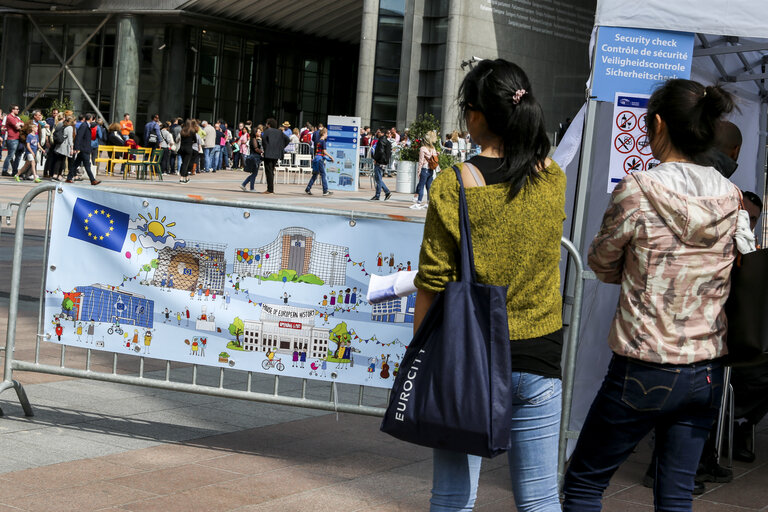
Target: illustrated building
x=295 y=248
x=398 y=310
x=285 y=329
x=104 y=304
x=199 y=264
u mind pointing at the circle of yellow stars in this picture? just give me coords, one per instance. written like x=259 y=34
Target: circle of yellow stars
x=88 y=231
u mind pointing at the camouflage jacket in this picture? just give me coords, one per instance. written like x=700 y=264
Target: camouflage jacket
x=667 y=238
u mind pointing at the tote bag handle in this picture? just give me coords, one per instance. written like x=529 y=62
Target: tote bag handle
x=467 y=266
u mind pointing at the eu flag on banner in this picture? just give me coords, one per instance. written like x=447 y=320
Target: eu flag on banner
x=99 y=225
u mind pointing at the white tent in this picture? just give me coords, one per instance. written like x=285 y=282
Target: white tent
x=731 y=48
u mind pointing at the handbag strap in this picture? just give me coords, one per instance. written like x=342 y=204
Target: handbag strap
x=467 y=271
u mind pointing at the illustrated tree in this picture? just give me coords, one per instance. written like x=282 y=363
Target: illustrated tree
x=236 y=329
x=340 y=335
x=67 y=305
x=149 y=267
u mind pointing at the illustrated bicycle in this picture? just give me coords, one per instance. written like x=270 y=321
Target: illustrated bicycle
x=115 y=328
x=275 y=363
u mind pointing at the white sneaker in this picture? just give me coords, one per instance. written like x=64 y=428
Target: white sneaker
x=415 y=206
x=242 y=187
x=423 y=206
x=415 y=199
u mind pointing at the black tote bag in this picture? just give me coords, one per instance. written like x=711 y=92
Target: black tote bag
x=747 y=309
x=453 y=388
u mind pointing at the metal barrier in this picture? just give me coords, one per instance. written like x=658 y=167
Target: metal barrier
x=273 y=395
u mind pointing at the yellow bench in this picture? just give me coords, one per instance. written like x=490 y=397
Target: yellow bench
x=111 y=155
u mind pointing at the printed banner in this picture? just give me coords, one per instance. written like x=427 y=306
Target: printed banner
x=630 y=148
x=273 y=292
x=636 y=60
x=342 y=145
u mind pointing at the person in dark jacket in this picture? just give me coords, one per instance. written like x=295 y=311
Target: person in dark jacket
x=381 y=156
x=152 y=135
x=274 y=146
x=83 y=150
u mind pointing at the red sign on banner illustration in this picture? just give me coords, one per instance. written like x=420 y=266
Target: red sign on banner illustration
x=290 y=325
x=626 y=121
x=633 y=164
x=624 y=143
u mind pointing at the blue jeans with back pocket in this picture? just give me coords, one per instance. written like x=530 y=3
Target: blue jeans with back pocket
x=679 y=401
x=532 y=458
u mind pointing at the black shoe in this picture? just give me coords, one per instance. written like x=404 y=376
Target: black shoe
x=7 y=174
x=387 y=195
x=713 y=472
x=375 y=198
x=742 y=443
x=308 y=192
x=699 y=488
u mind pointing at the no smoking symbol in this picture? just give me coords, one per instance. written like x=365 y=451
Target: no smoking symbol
x=633 y=164
x=624 y=143
x=641 y=123
x=644 y=145
x=626 y=121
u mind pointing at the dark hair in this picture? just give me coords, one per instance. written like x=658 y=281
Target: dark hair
x=753 y=198
x=271 y=122
x=691 y=113
x=188 y=129
x=492 y=89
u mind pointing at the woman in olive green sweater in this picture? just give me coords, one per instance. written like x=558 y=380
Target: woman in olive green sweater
x=516 y=206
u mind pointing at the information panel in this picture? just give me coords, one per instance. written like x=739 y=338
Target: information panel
x=342 y=144
x=636 y=60
x=630 y=148
x=275 y=292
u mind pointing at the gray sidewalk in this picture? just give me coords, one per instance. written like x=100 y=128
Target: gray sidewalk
x=101 y=446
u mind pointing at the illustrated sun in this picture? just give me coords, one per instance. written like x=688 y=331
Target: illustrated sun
x=156 y=226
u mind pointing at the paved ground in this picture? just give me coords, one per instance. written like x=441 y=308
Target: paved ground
x=99 y=446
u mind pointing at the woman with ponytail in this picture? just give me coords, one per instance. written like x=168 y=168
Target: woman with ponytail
x=668 y=239
x=516 y=202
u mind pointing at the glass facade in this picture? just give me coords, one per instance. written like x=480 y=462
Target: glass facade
x=231 y=75
x=431 y=72
x=386 y=78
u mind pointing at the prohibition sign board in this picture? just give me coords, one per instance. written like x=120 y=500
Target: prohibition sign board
x=624 y=143
x=626 y=121
x=633 y=164
x=643 y=145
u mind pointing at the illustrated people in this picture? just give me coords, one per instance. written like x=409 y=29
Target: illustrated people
x=285 y=297
x=372 y=366
x=199 y=292
x=379 y=262
x=303 y=358
x=186 y=312
x=659 y=343
x=227 y=300
x=325 y=300
x=194 y=347
x=59 y=328
x=271 y=354
x=391 y=261
x=353 y=299
x=295 y=358
x=170 y=283
x=346 y=296
x=147 y=340
x=79 y=330
x=510 y=175
x=135 y=340
x=178 y=317
x=237 y=285
x=323 y=367
x=90 y=331
x=333 y=298
x=167 y=315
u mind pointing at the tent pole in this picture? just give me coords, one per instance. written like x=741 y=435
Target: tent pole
x=761 y=164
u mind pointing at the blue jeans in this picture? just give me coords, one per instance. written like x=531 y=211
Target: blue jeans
x=679 y=401
x=321 y=173
x=207 y=153
x=377 y=173
x=12 y=158
x=425 y=180
x=215 y=157
x=532 y=458
x=251 y=179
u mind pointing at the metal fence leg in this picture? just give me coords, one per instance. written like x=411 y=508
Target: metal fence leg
x=23 y=400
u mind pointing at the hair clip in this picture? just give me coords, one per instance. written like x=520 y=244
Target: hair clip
x=518 y=95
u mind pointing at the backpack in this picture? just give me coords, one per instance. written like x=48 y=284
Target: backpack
x=94 y=132
x=433 y=161
x=58 y=136
x=306 y=137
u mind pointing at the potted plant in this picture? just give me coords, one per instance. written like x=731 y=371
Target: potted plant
x=409 y=155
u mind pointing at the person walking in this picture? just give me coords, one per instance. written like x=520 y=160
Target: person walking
x=667 y=238
x=152 y=135
x=381 y=156
x=274 y=147
x=30 y=152
x=253 y=160
x=516 y=202
x=428 y=164
x=318 y=165
x=187 y=139
x=82 y=148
